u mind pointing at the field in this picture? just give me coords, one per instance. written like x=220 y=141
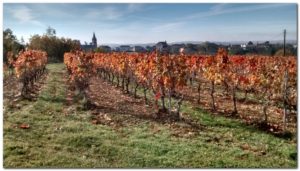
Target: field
x=54 y=130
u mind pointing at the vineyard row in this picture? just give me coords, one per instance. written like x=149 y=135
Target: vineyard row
x=274 y=79
x=29 y=66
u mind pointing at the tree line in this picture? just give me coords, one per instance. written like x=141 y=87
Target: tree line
x=53 y=45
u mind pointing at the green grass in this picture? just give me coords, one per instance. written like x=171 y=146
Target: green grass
x=62 y=136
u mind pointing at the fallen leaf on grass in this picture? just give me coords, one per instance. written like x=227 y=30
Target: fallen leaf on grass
x=263 y=153
x=245 y=147
x=24 y=126
x=95 y=122
x=107 y=117
x=18 y=95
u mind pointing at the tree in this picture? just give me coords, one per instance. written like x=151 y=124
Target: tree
x=288 y=52
x=22 y=41
x=50 y=31
x=201 y=49
x=99 y=49
x=10 y=43
x=267 y=43
x=210 y=48
x=236 y=51
x=54 y=46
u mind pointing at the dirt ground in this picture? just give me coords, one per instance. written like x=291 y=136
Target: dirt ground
x=115 y=108
x=249 y=110
x=111 y=102
x=12 y=90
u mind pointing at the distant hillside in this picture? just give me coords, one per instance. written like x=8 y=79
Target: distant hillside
x=114 y=45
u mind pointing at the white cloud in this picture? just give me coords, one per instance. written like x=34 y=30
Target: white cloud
x=135 y=7
x=107 y=13
x=167 y=27
x=24 y=15
x=53 y=10
x=112 y=12
x=220 y=9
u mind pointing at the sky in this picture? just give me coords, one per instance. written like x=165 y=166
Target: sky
x=150 y=23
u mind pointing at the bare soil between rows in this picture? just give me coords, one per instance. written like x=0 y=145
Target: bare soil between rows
x=117 y=109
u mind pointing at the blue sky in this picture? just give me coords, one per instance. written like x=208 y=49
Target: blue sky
x=147 y=23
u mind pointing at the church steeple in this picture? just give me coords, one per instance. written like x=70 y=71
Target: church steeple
x=94 y=40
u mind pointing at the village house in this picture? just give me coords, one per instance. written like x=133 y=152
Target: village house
x=138 y=49
x=105 y=48
x=162 y=47
x=174 y=49
x=124 y=48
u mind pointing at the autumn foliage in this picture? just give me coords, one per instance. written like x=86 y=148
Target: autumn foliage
x=80 y=68
x=164 y=75
x=29 y=66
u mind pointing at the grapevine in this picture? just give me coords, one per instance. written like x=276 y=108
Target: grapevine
x=273 y=78
x=29 y=67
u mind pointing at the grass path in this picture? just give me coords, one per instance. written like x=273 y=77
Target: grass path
x=62 y=136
